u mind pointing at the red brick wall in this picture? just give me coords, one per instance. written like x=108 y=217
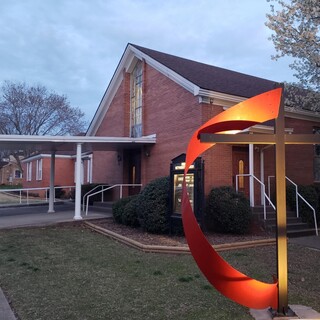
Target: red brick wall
x=106 y=167
x=218 y=159
x=64 y=173
x=299 y=158
x=169 y=111
x=173 y=114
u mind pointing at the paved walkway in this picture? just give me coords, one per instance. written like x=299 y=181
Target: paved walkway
x=310 y=241
x=38 y=216
x=5 y=310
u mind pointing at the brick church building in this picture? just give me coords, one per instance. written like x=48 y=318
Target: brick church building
x=164 y=98
x=168 y=97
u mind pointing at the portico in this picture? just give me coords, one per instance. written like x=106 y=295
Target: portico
x=77 y=144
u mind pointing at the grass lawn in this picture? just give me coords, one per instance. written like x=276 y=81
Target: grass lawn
x=72 y=273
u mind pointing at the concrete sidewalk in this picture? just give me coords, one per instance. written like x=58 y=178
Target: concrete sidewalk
x=38 y=216
x=5 y=310
x=309 y=242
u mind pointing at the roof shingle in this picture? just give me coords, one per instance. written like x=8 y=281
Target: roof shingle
x=210 y=77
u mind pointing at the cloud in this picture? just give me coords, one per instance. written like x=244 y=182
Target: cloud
x=73 y=46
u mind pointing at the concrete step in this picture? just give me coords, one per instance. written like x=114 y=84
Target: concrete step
x=290 y=220
x=295 y=226
x=105 y=207
x=291 y=226
x=107 y=204
x=301 y=233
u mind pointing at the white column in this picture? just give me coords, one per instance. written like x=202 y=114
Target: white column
x=77 y=210
x=251 y=172
x=51 y=191
x=262 y=175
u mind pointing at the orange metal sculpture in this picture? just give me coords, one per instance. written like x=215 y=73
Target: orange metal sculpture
x=229 y=281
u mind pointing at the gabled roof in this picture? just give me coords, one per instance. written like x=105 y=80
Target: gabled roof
x=210 y=77
x=226 y=87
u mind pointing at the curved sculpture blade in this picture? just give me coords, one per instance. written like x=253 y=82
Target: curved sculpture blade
x=226 y=279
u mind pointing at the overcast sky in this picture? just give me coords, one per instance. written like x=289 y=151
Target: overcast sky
x=73 y=46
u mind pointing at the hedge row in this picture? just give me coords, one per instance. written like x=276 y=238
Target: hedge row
x=226 y=210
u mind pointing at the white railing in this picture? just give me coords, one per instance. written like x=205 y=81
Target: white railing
x=109 y=188
x=90 y=191
x=25 y=195
x=298 y=195
x=263 y=189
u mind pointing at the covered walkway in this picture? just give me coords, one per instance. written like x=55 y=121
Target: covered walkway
x=77 y=144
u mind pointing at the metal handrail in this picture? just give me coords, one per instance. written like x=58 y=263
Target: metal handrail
x=96 y=187
x=298 y=195
x=111 y=187
x=264 y=192
x=26 y=190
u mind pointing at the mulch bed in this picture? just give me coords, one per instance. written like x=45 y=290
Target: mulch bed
x=145 y=238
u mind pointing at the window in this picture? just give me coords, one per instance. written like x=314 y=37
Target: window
x=241 y=172
x=29 y=171
x=136 y=101
x=17 y=174
x=39 y=169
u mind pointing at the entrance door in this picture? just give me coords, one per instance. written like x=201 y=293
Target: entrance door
x=134 y=170
x=240 y=160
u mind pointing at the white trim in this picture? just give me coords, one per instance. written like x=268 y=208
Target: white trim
x=302 y=114
x=259 y=128
x=183 y=82
x=217 y=98
x=29 y=171
x=77 y=210
x=44 y=155
x=39 y=169
x=89 y=169
x=74 y=139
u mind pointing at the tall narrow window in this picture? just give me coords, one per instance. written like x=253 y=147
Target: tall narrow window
x=136 y=101
x=39 y=170
x=241 y=172
x=29 y=171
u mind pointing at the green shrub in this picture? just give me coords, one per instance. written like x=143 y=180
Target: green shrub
x=118 y=209
x=130 y=212
x=153 y=202
x=10 y=186
x=227 y=211
x=309 y=193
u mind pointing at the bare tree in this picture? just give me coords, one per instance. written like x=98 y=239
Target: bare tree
x=33 y=110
